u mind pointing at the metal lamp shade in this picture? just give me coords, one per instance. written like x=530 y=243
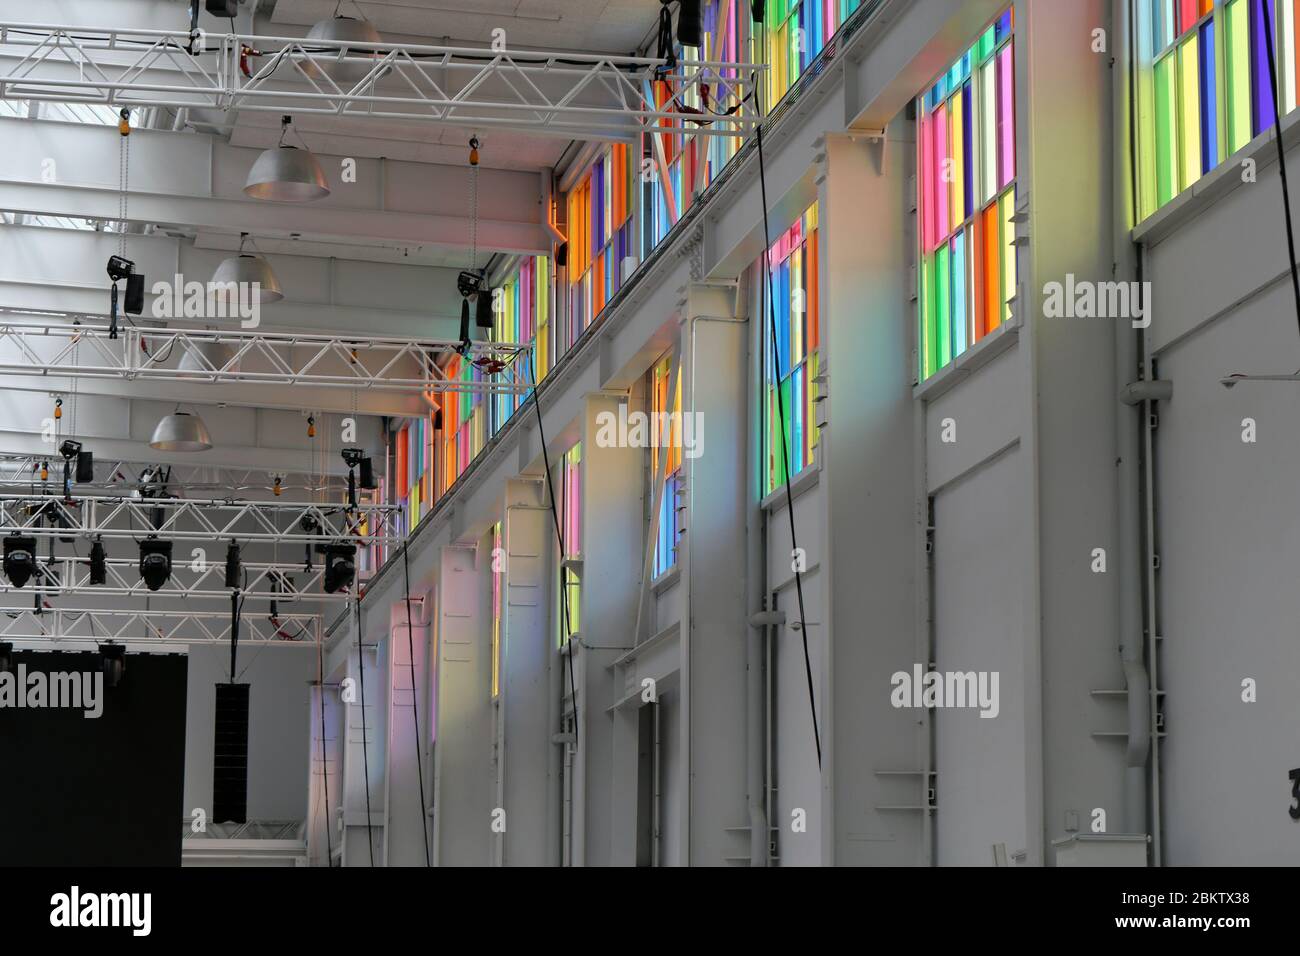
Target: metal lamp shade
x=286 y=174
x=208 y=357
x=345 y=73
x=248 y=272
x=181 y=431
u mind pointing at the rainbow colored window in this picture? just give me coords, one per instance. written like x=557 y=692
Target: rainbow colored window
x=966 y=185
x=668 y=527
x=1211 y=91
x=797 y=32
x=523 y=316
x=797 y=301
x=601 y=236
x=413 y=448
x=569 y=500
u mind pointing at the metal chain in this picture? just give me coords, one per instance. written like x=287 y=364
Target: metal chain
x=124 y=178
x=473 y=215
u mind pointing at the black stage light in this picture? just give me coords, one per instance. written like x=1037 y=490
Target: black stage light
x=689 y=23
x=340 y=566
x=232 y=566
x=19 y=559
x=112 y=659
x=155 y=562
x=98 y=563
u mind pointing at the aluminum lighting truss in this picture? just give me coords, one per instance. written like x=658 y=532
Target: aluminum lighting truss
x=20 y=472
x=572 y=94
x=193 y=519
x=156 y=627
x=283 y=583
x=264 y=358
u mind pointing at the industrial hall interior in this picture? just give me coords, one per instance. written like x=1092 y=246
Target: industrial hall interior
x=649 y=433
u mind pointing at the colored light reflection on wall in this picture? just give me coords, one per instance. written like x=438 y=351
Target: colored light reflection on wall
x=669 y=526
x=796 y=297
x=966 y=174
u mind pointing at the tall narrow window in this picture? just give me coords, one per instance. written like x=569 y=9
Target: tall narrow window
x=791 y=366
x=601 y=236
x=666 y=439
x=966 y=184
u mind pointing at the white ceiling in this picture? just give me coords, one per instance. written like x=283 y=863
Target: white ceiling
x=601 y=26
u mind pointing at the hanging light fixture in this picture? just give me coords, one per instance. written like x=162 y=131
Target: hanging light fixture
x=286 y=173
x=208 y=357
x=341 y=29
x=247 y=270
x=181 y=431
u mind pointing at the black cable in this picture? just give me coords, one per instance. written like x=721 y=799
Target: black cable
x=1281 y=158
x=415 y=698
x=559 y=535
x=324 y=761
x=365 y=755
x=785 y=455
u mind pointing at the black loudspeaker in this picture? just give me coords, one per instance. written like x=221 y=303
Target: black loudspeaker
x=134 y=303
x=85 y=467
x=689 y=24
x=230 y=755
x=367 y=475
x=562 y=255
x=483 y=310
x=757 y=9
x=223 y=8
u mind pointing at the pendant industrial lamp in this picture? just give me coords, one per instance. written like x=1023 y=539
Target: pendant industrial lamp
x=286 y=173
x=247 y=270
x=334 y=63
x=181 y=431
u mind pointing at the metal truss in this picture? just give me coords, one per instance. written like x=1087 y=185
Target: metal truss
x=195 y=519
x=20 y=471
x=156 y=627
x=264 y=358
x=282 y=583
x=573 y=94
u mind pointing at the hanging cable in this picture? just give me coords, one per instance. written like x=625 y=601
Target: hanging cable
x=1281 y=157
x=324 y=761
x=785 y=454
x=415 y=698
x=559 y=536
x=365 y=747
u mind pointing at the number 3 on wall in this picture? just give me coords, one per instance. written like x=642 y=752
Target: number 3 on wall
x=1295 y=792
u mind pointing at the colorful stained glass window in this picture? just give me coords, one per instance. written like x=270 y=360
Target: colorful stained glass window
x=665 y=419
x=1211 y=93
x=601 y=237
x=966 y=184
x=790 y=367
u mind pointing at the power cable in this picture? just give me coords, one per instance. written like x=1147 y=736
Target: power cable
x=324 y=761
x=785 y=455
x=415 y=698
x=559 y=536
x=365 y=747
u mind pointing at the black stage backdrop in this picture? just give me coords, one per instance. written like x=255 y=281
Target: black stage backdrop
x=96 y=792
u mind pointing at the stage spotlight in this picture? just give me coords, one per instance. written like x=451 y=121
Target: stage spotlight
x=155 y=562
x=98 y=563
x=112 y=659
x=689 y=23
x=19 y=559
x=232 y=566
x=6 y=657
x=340 y=566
